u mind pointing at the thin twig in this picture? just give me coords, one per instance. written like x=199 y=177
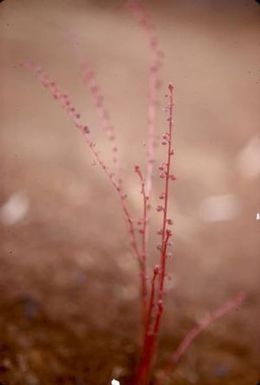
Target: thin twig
x=65 y=101
x=97 y=95
x=209 y=319
x=154 y=82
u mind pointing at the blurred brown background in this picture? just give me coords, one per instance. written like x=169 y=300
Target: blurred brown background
x=69 y=285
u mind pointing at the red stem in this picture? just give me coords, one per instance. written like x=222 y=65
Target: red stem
x=143 y=264
x=152 y=326
x=166 y=234
x=98 y=97
x=71 y=111
x=144 y=19
x=196 y=331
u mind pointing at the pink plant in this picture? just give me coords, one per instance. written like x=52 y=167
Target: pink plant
x=151 y=289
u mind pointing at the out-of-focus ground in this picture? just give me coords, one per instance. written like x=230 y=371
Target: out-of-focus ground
x=69 y=310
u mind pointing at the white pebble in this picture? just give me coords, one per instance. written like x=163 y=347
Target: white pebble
x=115 y=382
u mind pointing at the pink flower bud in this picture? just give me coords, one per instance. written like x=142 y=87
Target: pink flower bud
x=172 y=177
x=85 y=129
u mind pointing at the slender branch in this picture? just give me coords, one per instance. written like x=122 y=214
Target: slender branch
x=143 y=264
x=155 y=307
x=145 y=211
x=209 y=319
x=97 y=95
x=156 y=56
x=165 y=232
x=74 y=115
x=152 y=298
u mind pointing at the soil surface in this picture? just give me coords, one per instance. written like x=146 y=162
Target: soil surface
x=69 y=304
